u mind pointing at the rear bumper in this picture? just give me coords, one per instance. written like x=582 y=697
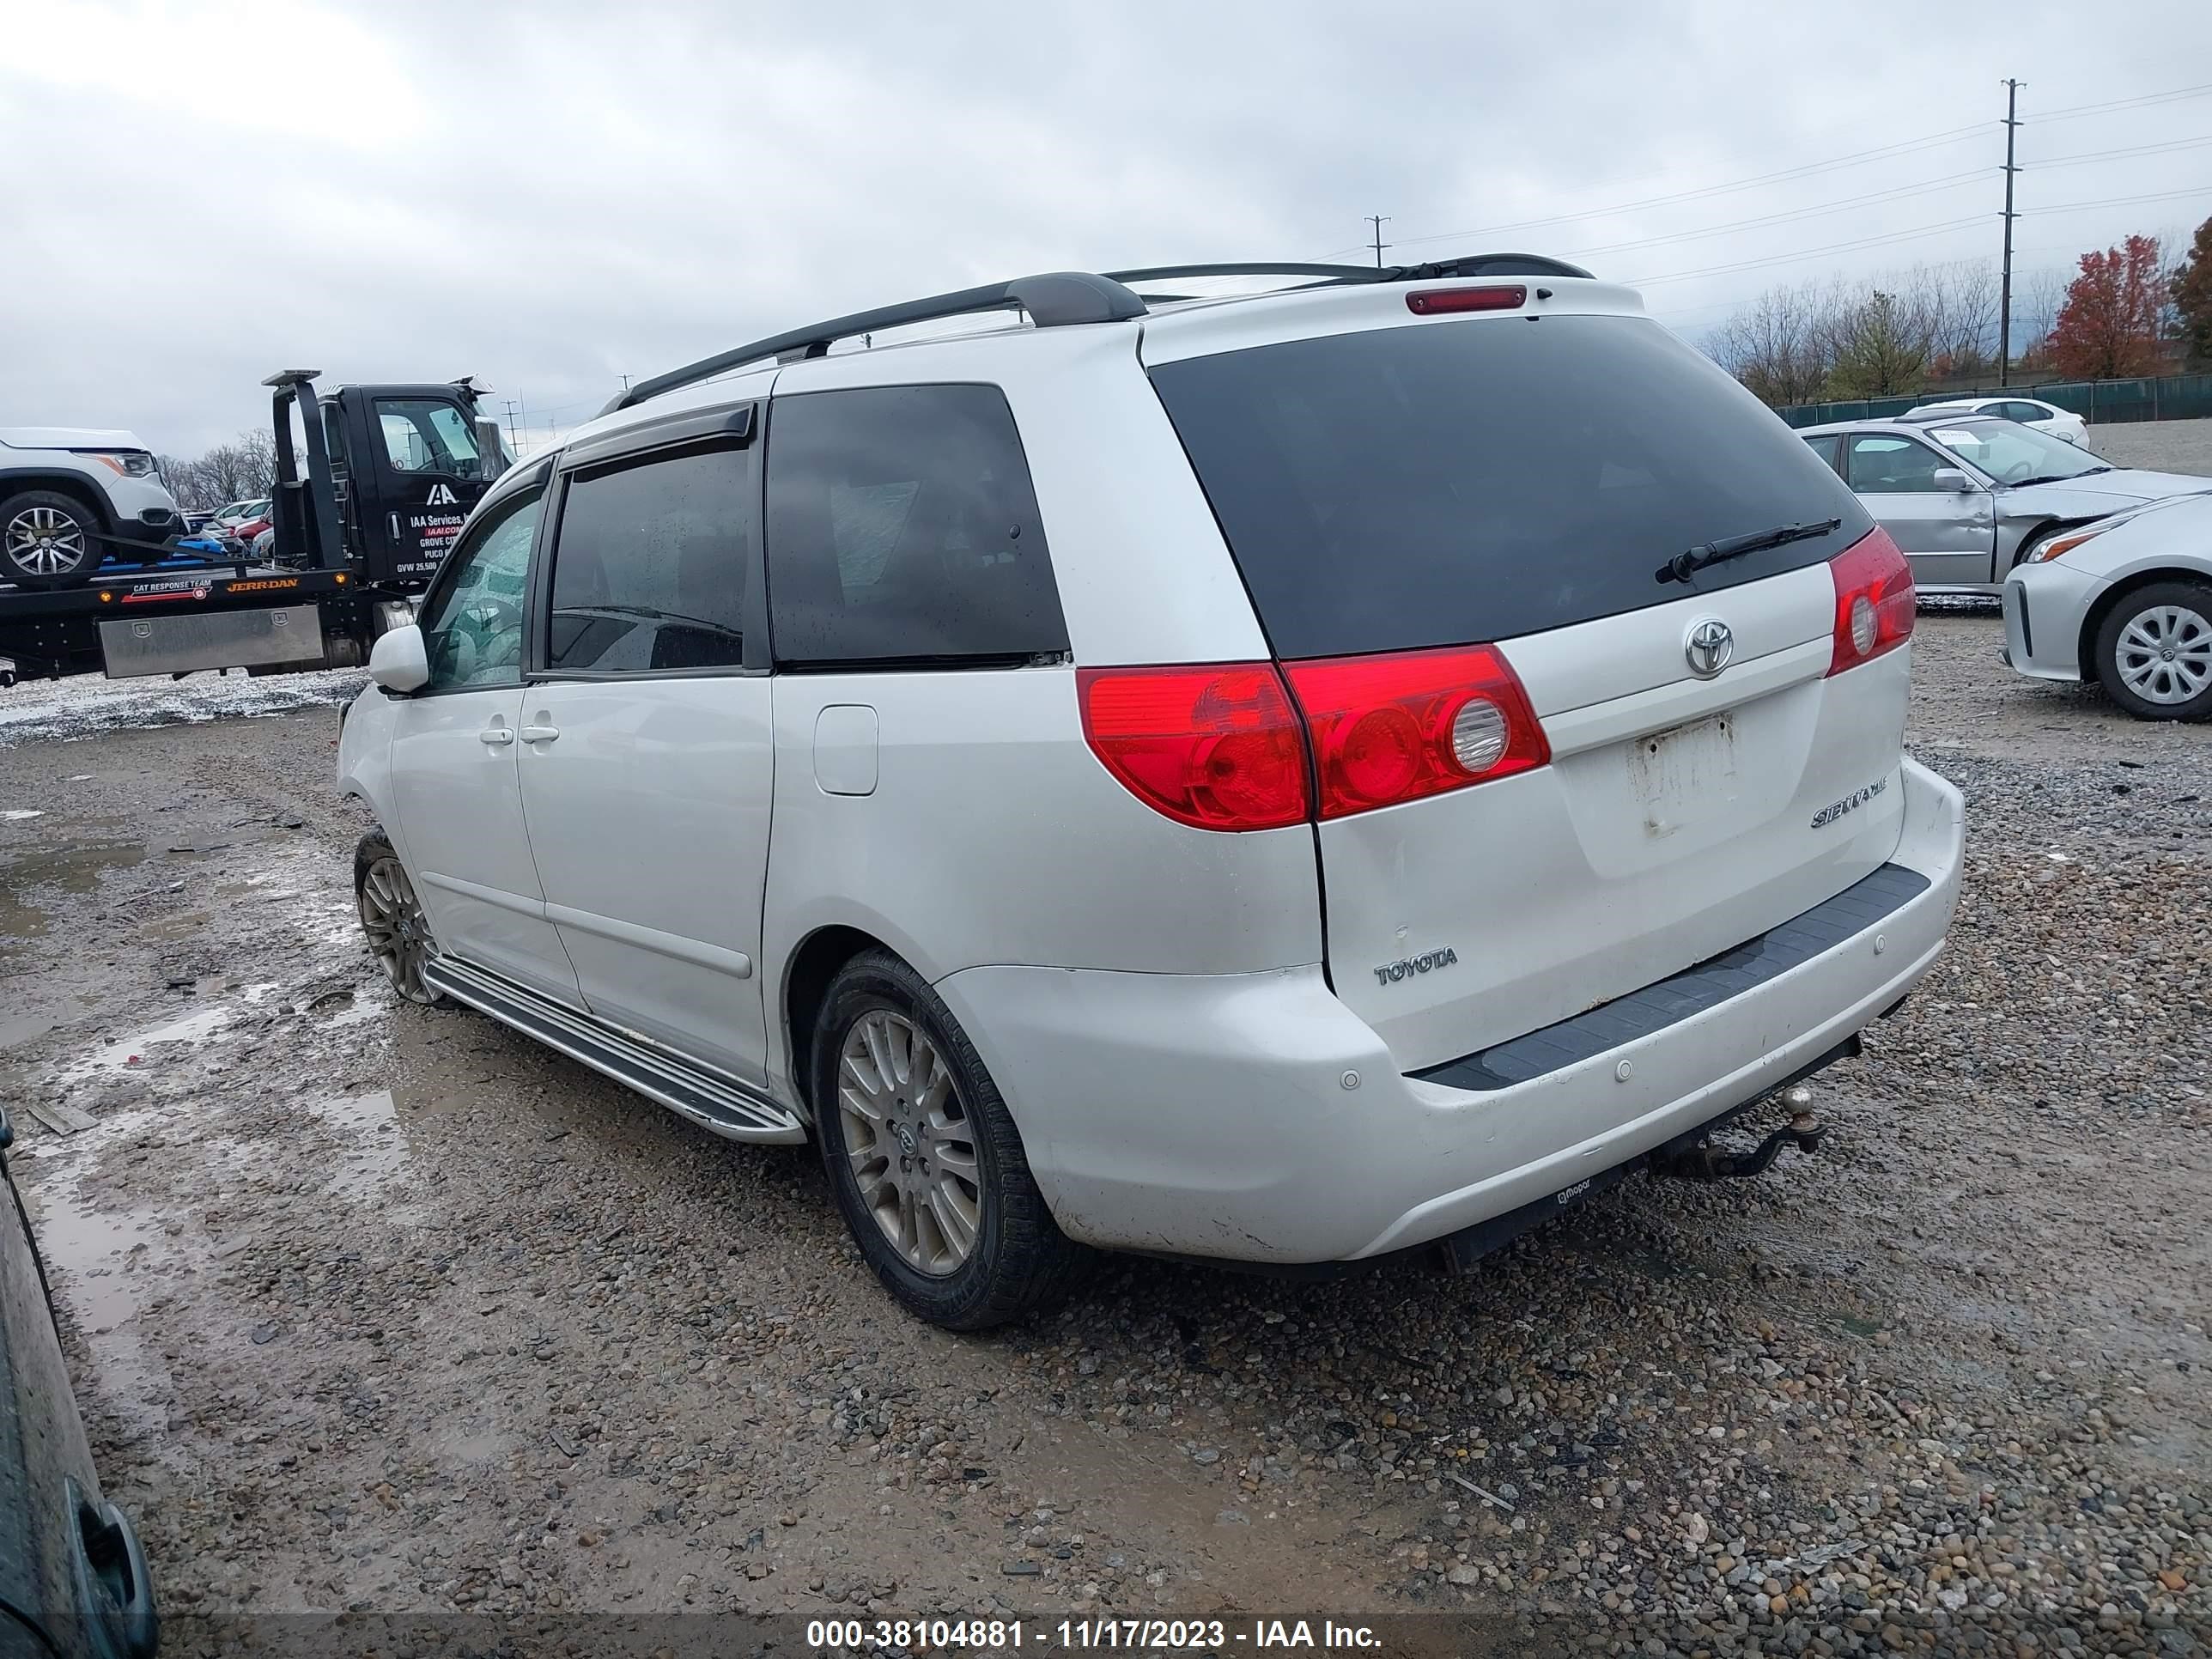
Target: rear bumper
x=1254 y=1117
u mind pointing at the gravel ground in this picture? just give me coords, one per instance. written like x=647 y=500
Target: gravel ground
x=2159 y=445
x=384 y=1309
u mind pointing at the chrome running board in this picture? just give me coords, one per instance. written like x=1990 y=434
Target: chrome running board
x=717 y=1104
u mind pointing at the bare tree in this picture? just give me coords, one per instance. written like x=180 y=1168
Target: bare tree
x=1960 y=304
x=1885 y=337
x=241 y=470
x=1774 y=345
x=2036 y=299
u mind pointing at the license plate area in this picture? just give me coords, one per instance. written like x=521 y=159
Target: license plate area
x=1685 y=776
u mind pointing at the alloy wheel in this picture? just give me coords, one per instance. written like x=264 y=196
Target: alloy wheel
x=45 y=541
x=2164 y=654
x=399 y=932
x=909 y=1141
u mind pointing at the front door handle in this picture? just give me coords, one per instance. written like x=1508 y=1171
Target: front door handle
x=540 y=732
x=496 y=734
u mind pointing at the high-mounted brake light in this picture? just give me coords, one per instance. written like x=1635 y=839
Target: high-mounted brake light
x=1216 y=745
x=1436 y=301
x=1874 y=600
x=1395 y=728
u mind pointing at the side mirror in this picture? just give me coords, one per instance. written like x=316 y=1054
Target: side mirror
x=399 y=662
x=1952 y=480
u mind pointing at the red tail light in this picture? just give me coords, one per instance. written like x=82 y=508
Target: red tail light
x=1437 y=301
x=1395 y=728
x=1874 y=600
x=1217 y=745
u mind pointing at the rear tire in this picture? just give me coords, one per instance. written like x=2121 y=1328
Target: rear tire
x=2154 y=652
x=48 y=539
x=924 y=1158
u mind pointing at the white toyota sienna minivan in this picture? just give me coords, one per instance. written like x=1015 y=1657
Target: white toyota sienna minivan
x=1288 y=778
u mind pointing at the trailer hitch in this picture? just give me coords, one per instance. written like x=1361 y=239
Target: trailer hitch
x=1704 y=1162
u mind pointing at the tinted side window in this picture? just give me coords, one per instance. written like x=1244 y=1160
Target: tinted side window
x=901 y=526
x=649 y=566
x=1829 y=449
x=2023 y=412
x=1892 y=466
x=472 y=629
x=423 y=435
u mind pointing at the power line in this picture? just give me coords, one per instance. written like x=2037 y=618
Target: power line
x=1809 y=253
x=2115 y=154
x=1949 y=182
x=2120 y=201
x=1902 y=148
x=2074 y=111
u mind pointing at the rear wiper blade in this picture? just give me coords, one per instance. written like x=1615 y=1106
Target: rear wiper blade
x=1683 y=566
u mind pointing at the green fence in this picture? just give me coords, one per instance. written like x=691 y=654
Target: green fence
x=2161 y=398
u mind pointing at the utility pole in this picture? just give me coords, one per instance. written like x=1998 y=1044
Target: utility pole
x=1379 y=220
x=526 y=416
x=2004 y=291
x=510 y=443
x=625 y=383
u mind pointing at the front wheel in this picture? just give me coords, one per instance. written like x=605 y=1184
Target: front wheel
x=924 y=1158
x=47 y=539
x=392 y=919
x=2153 y=653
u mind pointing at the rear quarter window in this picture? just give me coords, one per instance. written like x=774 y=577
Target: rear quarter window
x=903 y=528
x=1436 y=484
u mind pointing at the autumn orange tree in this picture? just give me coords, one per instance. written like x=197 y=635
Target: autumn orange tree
x=2108 y=325
x=2192 y=295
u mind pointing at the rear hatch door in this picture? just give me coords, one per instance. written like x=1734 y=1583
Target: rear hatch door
x=1519 y=478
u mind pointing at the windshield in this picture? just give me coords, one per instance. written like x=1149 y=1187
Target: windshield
x=1428 y=486
x=2014 y=454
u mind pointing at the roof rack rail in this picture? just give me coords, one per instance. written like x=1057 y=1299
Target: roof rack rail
x=1326 y=274
x=1052 y=299
x=1055 y=298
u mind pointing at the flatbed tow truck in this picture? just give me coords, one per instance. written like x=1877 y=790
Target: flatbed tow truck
x=373 y=484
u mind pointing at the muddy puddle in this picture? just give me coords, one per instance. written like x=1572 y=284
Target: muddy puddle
x=157 y=1045
x=110 y=1268
x=74 y=869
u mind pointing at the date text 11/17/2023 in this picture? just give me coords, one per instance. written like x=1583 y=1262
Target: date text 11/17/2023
x=841 y=1636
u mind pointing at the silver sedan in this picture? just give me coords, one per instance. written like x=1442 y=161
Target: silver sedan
x=1966 y=497
x=2126 y=603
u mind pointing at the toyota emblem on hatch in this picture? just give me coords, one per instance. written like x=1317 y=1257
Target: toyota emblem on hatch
x=1708 y=647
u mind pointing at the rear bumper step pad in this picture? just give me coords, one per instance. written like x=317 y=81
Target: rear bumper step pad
x=1692 y=991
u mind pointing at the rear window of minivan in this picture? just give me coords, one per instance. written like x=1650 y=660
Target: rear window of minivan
x=1447 y=484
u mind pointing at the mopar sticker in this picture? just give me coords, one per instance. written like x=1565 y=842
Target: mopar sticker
x=1850 y=802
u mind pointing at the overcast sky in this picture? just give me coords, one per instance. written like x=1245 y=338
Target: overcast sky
x=550 y=197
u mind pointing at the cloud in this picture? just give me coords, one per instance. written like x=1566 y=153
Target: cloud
x=551 y=196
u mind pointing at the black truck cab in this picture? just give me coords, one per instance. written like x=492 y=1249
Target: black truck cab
x=404 y=465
